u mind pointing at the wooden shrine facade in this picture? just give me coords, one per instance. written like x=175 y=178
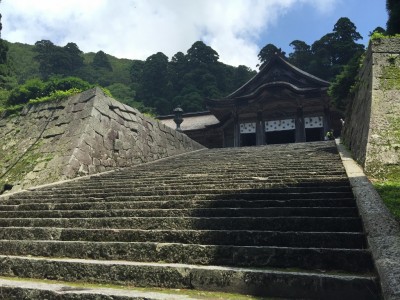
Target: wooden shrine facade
x=280 y=104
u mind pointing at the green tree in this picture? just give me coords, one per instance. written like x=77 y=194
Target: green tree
x=335 y=49
x=378 y=29
x=155 y=85
x=154 y=80
x=100 y=60
x=4 y=69
x=65 y=84
x=301 y=55
x=3 y=51
x=55 y=60
x=342 y=88
x=393 y=23
x=178 y=67
x=136 y=73
x=74 y=60
x=31 y=89
x=267 y=52
x=199 y=53
x=346 y=55
x=122 y=93
x=46 y=57
x=3 y=45
x=345 y=35
x=36 y=88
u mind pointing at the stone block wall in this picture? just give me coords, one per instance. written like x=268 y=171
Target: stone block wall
x=372 y=124
x=82 y=135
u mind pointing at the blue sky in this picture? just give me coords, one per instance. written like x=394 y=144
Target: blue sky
x=303 y=24
x=136 y=29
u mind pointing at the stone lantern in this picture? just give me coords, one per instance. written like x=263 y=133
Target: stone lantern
x=178 y=119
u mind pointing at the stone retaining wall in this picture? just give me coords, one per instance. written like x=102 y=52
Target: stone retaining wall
x=84 y=134
x=372 y=128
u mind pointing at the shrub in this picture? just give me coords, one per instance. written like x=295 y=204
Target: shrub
x=31 y=89
x=56 y=95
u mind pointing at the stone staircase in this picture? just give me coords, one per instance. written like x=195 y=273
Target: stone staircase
x=272 y=221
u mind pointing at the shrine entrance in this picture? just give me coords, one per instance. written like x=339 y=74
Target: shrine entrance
x=248 y=135
x=280 y=137
x=314 y=128
x=248 y=139
x=280 y=104
x=280 y=131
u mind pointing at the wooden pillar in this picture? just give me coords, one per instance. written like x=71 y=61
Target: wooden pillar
x=327 y=118
x=300 y=127
x=260 y=130
x=236 y=130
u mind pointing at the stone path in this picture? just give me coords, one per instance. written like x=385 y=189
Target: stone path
x=273 y=221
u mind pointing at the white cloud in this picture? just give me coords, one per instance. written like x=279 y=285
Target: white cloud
x=139 y=28
x=324 y=6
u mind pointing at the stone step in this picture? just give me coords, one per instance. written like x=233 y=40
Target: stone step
x=193 y=184
x=21 y=288
x=314 y=224
x=216 y=195
x=253 y=160
x=259 y=282
x=222 y=167
x=199 y=180
x=231 y=174
x=225 y=212
x=274 y=221
x=259 y=187
x=178 y=204
x=298 y=161
x=346 y=260
x=345 y=240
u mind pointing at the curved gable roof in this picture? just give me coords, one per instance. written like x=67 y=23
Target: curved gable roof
x=279 y=70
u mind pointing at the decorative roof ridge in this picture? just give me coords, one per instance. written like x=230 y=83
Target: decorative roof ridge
x=268 y=65
x=274 y=84
x=313 y=77
x=262 y=87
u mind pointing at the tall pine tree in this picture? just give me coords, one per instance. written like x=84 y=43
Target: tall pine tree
x=393 y=23
x=3 y=46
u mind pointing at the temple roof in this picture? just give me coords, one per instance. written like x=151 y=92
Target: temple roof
x=274 y=71
x=277 y=81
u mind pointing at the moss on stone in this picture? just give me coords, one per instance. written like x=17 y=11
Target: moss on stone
x=196 y=294
x=389 y=190
x=21 y=166
x=390 y=79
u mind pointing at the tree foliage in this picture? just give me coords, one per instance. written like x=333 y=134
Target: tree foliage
x=267 y=52
x=327 y=56
x=4 y=70
x=301 y=55
x=184 y=80
x=56 y=60
x=343 y=86
x=156 y=85
x=393 y=23
x=200 y=54
x=100 y=60
x=334 y=56
x=37 y=88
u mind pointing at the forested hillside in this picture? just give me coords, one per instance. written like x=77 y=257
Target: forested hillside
x=158 y=84
x=155 y=85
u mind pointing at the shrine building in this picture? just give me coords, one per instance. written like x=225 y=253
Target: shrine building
x=280 y=104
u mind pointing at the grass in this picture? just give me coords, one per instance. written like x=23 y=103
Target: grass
x=56 y=95
x=388 y=187
x=389 y=190
x=196 y=294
